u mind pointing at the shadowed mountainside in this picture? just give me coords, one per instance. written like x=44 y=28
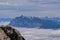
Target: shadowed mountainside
x=9 y=33
x=34 y=22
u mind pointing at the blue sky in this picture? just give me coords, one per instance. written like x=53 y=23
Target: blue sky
x=39 y=8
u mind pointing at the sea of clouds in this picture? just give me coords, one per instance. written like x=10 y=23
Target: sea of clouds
x=37 y=34
x=4 y=23
x=40 y=34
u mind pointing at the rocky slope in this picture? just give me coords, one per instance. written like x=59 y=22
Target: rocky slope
x=9 y=33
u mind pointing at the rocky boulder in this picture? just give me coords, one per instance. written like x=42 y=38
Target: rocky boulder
x=9 y=33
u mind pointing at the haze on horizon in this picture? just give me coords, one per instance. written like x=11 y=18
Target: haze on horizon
x=39 y=8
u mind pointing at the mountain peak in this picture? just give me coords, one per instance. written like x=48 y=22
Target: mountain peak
x=34 y=22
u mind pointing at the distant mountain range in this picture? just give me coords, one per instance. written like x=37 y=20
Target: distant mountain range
x=5 y=19
x=35 y=22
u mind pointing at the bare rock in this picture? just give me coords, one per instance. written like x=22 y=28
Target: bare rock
x=9 y=33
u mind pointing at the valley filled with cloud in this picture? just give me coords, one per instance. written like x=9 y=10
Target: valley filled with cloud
x=40 y=34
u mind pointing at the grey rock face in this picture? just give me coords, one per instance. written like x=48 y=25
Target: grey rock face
x=9 y=33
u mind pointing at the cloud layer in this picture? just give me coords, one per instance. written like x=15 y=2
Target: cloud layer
x=40 y=34
x=41 y=8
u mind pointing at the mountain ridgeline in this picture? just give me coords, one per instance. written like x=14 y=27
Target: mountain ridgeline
x=35 y=22
x=5 y=19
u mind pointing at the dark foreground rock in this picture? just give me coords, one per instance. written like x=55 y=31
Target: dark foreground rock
x=9 y=33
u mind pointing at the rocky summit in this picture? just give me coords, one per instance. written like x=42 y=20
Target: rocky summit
x=9 y=33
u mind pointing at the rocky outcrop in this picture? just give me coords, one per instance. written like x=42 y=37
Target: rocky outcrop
x=9 y=33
